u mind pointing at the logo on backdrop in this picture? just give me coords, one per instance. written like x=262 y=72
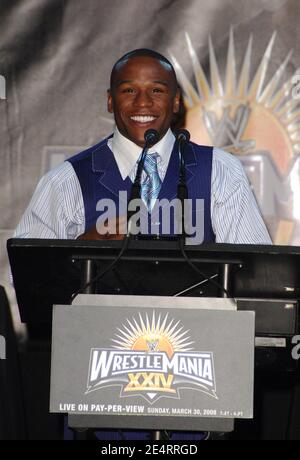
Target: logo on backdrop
x=256 y=119
x=151 y=357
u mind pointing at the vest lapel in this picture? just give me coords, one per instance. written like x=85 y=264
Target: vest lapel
x=169 y=186
x=190 y=164
x=106 y=169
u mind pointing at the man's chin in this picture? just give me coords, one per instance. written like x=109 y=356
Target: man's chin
x=140 y=141
x=138 y=138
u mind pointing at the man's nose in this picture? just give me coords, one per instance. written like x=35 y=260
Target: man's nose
x=143 y=99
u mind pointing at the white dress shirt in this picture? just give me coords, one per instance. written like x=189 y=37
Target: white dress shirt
x=56 y=209
x=127 y=153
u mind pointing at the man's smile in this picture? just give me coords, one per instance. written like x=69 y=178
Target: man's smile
x=143 y=118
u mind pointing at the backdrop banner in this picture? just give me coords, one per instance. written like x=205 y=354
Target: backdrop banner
x=237 y=64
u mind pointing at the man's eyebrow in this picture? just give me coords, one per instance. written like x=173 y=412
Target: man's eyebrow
x=162 y=82
x=157 y=82
x=121 y=82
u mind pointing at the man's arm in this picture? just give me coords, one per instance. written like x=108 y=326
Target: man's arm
x=56 y=208
x=236 y=217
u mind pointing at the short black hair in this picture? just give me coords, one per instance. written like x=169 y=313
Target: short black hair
x=141 y=52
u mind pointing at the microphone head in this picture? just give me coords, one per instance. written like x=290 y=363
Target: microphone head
x=151 y=136
x=182 y=135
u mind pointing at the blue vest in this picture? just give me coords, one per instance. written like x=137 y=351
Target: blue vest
x=99 y=178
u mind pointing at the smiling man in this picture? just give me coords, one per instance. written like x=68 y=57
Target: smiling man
x=143 y=94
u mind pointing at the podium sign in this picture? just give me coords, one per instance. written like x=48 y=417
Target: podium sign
x=152 y=361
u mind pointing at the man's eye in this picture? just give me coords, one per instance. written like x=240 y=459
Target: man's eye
x=157 y=90
x=127 y=90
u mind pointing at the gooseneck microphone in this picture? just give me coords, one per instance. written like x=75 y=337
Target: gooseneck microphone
x=182 y=135
x=151 y=137
x=182 y=138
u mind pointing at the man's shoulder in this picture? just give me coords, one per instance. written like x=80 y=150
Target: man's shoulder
x=87 y=153
x=65 y=172
x=220 y=156
x=228 y=172
x=201 y=149
x=226 y=159
x=58 y=176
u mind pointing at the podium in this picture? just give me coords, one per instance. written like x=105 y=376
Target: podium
x=264 y=279
x=157 y=363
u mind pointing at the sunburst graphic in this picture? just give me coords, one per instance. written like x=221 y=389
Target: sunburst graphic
x=241 y=114
x=152 y=357
x=153 y=335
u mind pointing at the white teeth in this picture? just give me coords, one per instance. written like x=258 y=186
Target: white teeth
x=143 y=118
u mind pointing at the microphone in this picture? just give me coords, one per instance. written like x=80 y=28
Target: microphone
x=151 y=137
x=182 y=138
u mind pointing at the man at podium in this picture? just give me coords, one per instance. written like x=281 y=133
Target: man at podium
x=143 y=95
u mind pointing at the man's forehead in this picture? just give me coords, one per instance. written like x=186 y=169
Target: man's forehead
x=143 y=61
x=139 y=64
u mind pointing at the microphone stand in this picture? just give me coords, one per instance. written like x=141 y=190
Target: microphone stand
x=151 y=137
x=182 y=137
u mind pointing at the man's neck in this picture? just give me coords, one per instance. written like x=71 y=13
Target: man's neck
x=127 y=153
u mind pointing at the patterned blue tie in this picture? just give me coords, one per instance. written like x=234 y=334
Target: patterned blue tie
x=151 y=185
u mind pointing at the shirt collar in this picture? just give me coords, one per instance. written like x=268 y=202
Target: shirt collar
x=127 y=153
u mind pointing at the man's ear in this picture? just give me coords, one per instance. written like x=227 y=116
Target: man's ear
x=109 y=102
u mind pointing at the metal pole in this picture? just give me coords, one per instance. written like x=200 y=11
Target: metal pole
x=156 y=435
x=225 y=279
x=87 y=275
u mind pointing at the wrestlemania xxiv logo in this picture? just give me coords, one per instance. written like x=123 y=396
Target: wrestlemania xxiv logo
x=152 y=358
x=254 y=114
